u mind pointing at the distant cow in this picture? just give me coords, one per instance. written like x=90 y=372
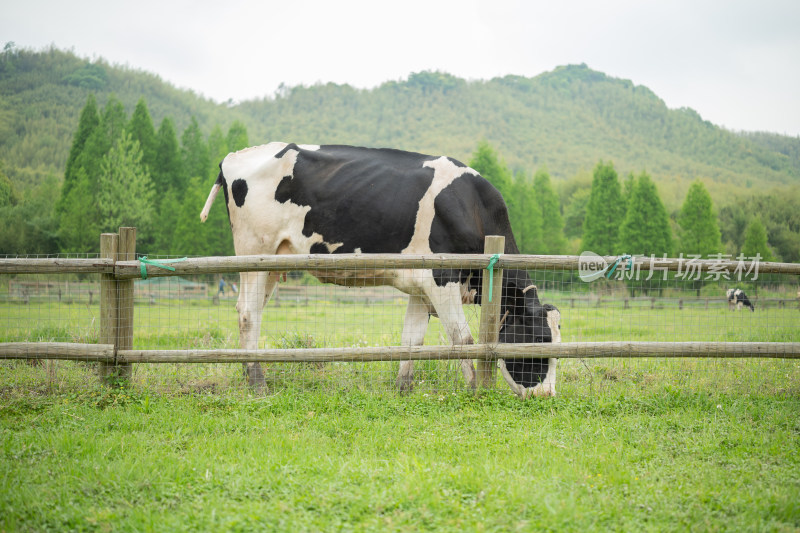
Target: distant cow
x=299 y=199
x=737 y=298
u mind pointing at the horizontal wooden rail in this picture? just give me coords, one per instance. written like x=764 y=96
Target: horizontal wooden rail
x=567 y=350
x=67 y=351
x=281 y=263
x=56 y=266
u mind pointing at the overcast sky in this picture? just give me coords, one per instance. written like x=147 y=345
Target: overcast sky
x=735 y=62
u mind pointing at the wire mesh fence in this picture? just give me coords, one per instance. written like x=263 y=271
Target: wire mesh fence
x=197 y=313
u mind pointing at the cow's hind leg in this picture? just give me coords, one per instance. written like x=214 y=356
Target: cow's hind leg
x=414 y=327
x=254 y=290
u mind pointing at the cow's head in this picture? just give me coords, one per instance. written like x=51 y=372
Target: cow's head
x=526 y=319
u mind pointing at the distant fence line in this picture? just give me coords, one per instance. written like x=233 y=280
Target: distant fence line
x=118 y=268
x=22 y=291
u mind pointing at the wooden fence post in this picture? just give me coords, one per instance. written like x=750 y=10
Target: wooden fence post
x=124 y=338
x=116 y=303
x=489 y=332
x=109 y=243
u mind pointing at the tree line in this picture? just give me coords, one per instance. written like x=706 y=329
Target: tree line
x=121 y=171
x=612 y=217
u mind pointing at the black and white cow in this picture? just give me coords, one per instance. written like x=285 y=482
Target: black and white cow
x=737 y=298
x=299 y=199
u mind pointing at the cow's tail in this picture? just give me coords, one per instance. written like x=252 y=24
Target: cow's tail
x=211 y=196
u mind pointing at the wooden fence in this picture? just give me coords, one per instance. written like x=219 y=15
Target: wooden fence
x=117 y=267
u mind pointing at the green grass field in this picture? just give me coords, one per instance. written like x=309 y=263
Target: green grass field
x=113 y=460
x=632 y=445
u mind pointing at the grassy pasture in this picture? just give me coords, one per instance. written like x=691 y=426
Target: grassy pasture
x=116 y=460
x=636 y=445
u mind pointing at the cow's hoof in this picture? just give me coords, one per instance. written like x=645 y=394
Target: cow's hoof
x=470 y=376
x=255 y=377
x=541 y=391
x=405 y=384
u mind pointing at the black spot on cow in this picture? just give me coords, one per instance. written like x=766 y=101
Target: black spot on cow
x=319 y=248
x=239 y=191
x=283 y=193
x=457 y=163
x=464 y=212
x=362 y=198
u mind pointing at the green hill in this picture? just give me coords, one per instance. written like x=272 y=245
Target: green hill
x=565 y=121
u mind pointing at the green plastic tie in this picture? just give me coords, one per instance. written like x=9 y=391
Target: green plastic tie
x=624 y=257
x=490 y=267
x=144 y=261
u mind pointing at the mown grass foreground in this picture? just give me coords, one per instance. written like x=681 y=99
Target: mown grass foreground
x=628 y=445
x=121 y=460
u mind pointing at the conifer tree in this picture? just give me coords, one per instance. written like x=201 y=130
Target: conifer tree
x=111 y=127
x=217 y=150
x=486 y=162
x=523 y=209
x=604 y=212
x=125 y=192
x=78 y=226
x=755 y=241
x=575 y=213
x=89 y=120
x=194 y=236
x=699 y=231
x=78 y=209
x=168 y=181
x=217 y=228
x=165 y=220
x=195 y=156
x=646 y=229
x=141 y=130
x=627 y=188
x=237 y=137
x=553 y=241
x=167 y=174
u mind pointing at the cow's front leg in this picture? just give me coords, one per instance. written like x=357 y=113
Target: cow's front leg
x=254 y=289
x=447 y=302
x=414 y=327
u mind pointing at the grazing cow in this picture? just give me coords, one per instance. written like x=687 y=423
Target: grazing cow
x=299 y=199
x=737 y=298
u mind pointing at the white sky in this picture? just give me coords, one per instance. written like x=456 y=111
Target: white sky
x=735 y=62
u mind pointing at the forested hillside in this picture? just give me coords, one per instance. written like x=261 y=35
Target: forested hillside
x=41 y=97
x=559 y=124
